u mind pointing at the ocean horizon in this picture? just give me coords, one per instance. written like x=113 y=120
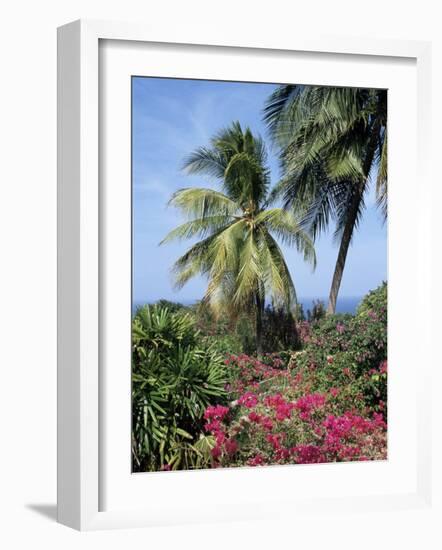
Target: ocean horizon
x=346 y=304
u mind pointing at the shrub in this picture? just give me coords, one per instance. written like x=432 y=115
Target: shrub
x=215 y=331
x=174 y=380
x=279 y=330
x=196 y=404
x=173 y=307
x=355 y=344
x=317 y=312
x=323 y=403
x=278 y=417
x=238 y=335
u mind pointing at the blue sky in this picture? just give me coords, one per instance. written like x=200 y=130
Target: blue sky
x=170 y=118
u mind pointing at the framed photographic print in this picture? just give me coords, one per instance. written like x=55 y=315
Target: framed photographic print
x=233 y=281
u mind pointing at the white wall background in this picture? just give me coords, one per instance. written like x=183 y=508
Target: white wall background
x=28 y=262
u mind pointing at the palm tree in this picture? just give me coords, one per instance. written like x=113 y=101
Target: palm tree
x=237 y=251
x=333 y=141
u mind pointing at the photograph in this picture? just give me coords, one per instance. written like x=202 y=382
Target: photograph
x=259 y=274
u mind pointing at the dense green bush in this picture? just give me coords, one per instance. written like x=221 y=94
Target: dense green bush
x=238 y=335
x=317 y=312
x=279 y=330
x=215 y=331
x=343 y=345
x=174 y=379
x=173 y=307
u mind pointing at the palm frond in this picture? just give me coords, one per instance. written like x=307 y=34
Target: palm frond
x=195 y=261
x=289 y=231
x=279 y=283
x=201 y=227
x=199 y=202
x=277 y=103
x=250 y=272
x=381 y=181
x=343 y=209
x=205 y=161
x=223 y=251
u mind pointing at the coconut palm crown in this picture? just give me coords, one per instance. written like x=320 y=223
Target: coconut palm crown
x=237 y=229
x=333 y=141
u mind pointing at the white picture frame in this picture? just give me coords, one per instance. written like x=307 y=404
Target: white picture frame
x=80 y=436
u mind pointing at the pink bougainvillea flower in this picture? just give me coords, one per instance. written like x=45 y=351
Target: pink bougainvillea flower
x=281 y=454
x=257 y=460
x=275 y=440
x=213 y=426
x=274 y=400
x=266 y=422
x=308 y=454
x=340 y=328
x=248 y=400
x=216 y=452
x=217 y=412
x=231 y=446
x=307 y=404
x=283 y=408
x=255 y=417
x=283 y=411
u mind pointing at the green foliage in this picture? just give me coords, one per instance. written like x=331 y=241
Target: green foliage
x=375 y=301
x=215 y=331
x=174 y=379
x=236 y=336
x=299 y=314
x=173 y=307
x=317 y=312
x=340 y=346
x=183 y=368
x=329 y=139
x=279 y=330
x=245 y=331
x=332 y=142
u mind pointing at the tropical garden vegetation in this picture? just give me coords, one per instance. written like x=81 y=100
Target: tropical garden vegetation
x=244 y=377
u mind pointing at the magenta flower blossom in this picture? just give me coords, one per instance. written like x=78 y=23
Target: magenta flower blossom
x=217 y=412
x=248 y=400
x=307 y=404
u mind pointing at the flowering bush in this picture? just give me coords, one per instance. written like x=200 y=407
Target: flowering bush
x=291 y=426
x=344 y=348
x=325 y=403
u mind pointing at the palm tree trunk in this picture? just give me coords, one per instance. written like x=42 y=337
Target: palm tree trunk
x=258 y=323
x=343 y=248
x=350 y=223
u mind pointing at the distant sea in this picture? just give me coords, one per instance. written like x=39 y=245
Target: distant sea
x=344 y=305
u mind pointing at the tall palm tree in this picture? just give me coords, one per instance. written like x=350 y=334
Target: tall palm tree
x=333 y=141
x=238 y=251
